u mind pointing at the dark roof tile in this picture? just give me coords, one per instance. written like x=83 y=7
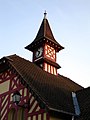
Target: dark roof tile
x=84 y=103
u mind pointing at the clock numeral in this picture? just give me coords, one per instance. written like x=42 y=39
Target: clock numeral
x=39 y=52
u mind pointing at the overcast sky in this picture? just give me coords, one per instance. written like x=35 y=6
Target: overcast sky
x=69 y=21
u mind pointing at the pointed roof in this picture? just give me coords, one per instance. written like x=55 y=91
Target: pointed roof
x=44 y=34
x=45 y=31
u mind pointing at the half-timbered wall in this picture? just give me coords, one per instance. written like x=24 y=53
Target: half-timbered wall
x=9 y=83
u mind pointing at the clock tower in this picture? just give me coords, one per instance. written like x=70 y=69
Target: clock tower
x=45 y=47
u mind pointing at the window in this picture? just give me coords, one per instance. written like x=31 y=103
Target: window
x=20 y=114
x=55 y=71
x=50 y=69
x=11 y=114
x=45 y=67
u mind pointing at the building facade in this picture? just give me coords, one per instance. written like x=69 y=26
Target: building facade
x=34 y=90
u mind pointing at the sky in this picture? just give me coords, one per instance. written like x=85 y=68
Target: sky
x=70 y=24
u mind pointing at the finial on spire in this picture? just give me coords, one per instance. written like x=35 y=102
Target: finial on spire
x=45 y=13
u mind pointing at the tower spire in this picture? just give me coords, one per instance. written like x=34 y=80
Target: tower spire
x=45 y=47
x=45 y=13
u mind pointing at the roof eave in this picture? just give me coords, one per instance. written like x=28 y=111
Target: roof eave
x=61 y=111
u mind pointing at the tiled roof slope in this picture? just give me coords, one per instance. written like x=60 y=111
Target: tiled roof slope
x=54 y=90
x=84 y=103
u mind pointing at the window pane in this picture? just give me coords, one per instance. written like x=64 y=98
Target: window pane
x=49 y=68
x=45 y=66
x=52 y=69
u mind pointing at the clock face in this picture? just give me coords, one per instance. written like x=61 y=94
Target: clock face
x=39 y=52
x=50 y=52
